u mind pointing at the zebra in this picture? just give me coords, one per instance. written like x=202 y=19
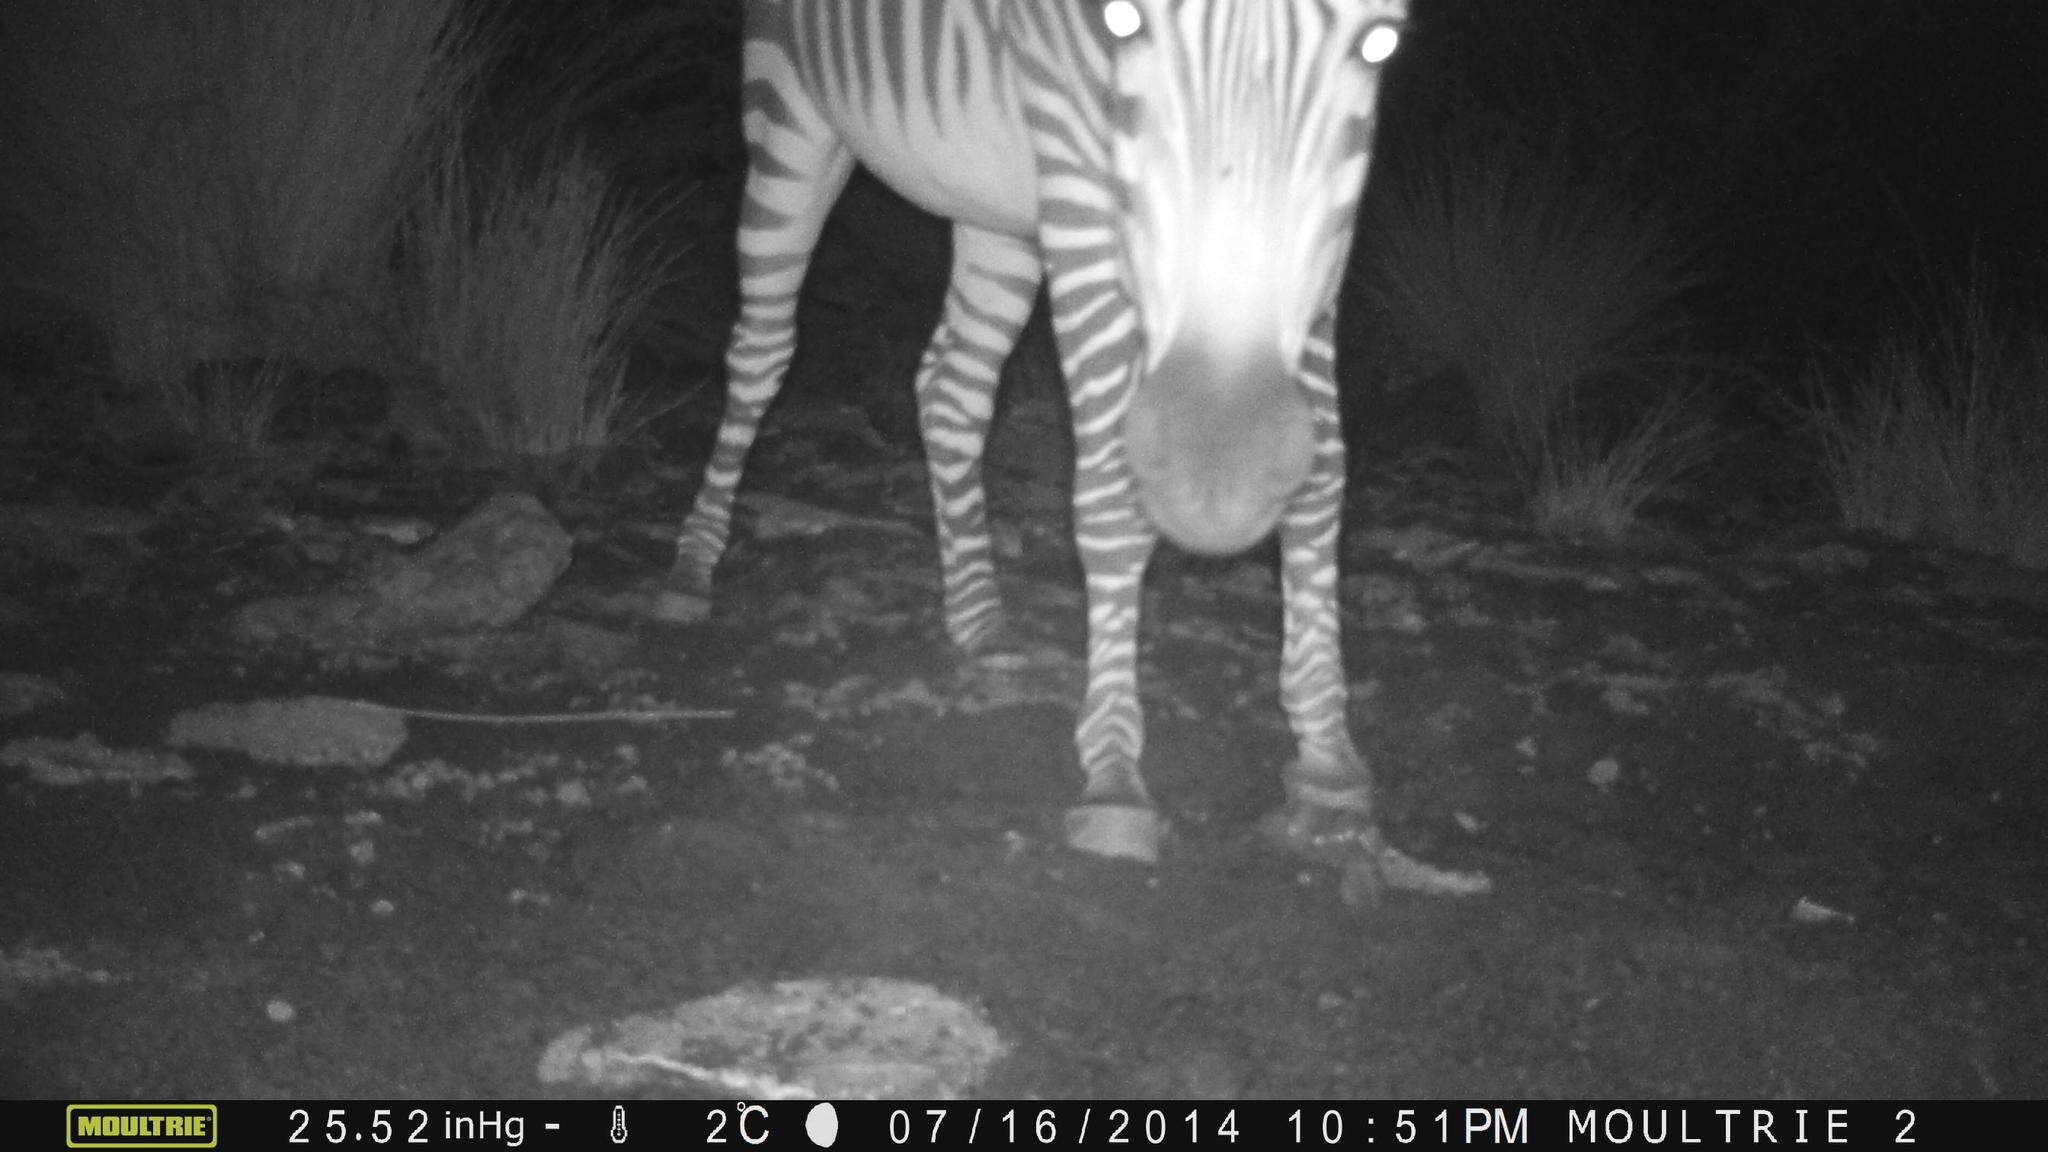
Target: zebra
x=1183 y=177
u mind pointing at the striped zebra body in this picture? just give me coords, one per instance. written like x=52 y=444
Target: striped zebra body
x=1182 y=175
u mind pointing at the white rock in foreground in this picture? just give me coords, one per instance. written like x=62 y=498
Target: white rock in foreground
x=864 y=1039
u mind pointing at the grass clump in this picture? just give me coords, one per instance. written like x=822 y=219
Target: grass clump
x=1590 y=478
x=219 y=183
x=1941 y=432
x=1528 y=284
x=526 y=288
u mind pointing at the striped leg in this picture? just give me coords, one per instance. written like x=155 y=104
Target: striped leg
x=797 y=168
x=1115 y=816
x=1329 y=810
x=995 y=282
x=1096 y=330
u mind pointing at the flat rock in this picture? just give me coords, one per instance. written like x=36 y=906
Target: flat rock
x=482 y=574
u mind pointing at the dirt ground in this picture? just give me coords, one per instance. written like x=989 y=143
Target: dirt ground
x=1761 y=806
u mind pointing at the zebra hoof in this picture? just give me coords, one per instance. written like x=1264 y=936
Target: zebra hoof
x=1116 y=831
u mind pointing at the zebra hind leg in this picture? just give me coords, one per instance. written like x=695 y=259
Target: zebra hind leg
x=995 y=281
x=798 y=168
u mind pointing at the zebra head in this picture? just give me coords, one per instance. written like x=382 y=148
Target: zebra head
x=1240 y=133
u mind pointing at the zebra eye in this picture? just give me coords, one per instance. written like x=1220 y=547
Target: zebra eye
x=1122 y=18
x=1378 y=44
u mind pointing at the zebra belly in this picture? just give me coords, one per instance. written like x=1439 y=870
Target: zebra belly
x=985 y=178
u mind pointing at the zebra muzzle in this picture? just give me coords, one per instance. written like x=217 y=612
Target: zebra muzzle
x=1218 y=450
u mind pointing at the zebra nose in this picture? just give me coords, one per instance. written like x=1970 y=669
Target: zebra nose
x=1217 y=449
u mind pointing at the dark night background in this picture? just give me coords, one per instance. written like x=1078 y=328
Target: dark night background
x=1834 y=153
x=1839 y=147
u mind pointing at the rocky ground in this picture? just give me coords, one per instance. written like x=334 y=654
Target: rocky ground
x=376 y=786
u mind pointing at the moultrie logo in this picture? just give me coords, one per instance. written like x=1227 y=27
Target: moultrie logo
x=141 y=1126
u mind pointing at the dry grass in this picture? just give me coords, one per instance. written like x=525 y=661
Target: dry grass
x=1586 y=481
x=220 y=182
x=1942 y=433
x=1530 y=284
x=526 y=289
x=227 y=409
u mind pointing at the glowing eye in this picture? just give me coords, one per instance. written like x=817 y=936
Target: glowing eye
x=1379 y=43
x=1122 y=18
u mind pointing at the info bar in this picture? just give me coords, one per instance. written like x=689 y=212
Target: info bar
x=744 y=1125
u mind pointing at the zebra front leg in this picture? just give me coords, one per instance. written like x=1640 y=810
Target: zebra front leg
x=1328 y=815
x=1328 y=812
x=1116 y=816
